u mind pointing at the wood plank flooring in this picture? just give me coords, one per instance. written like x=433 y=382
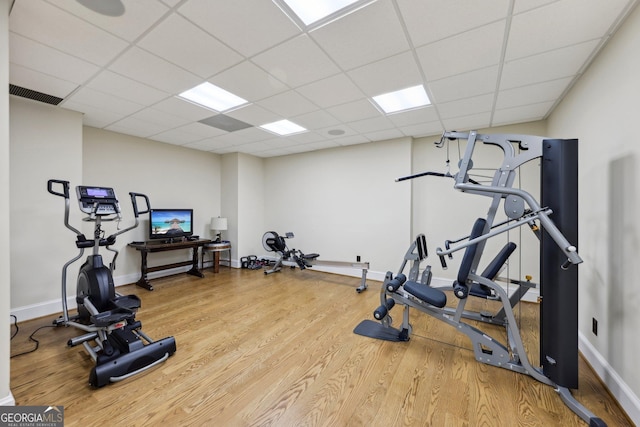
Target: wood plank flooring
x=278 y=350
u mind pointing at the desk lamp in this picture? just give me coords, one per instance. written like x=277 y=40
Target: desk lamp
x=217 y=226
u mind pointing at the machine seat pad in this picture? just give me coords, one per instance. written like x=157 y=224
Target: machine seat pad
x=477 y=290
x=311 y=256
x=110 y=317
x=430 y=295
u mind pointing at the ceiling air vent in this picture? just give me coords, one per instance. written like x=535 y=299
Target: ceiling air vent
x=225 y=123
x=33 y=94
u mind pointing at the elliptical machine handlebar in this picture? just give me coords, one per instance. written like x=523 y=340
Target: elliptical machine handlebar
x=134 y=202
x=65 y=195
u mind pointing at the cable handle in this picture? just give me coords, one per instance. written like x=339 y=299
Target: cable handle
x=65 y=187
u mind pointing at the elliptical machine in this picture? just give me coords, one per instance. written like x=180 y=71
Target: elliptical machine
x=121 y=350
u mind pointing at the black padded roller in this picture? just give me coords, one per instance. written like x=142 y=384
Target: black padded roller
x=380 y=312
x=396 y=282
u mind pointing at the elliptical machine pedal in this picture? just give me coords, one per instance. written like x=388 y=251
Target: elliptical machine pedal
x=120 y=349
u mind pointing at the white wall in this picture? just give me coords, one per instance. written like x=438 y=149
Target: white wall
x=251 y=204
x=6 y=398
x=343 y=202
x=243 y=203
x=602 y=111
x=230 y=200
x=46 y=143
x=171 y=176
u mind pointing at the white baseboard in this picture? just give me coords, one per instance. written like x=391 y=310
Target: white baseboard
x=626 y=398
x=8 y=400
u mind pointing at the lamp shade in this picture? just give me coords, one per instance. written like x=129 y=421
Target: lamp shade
x=218 y=223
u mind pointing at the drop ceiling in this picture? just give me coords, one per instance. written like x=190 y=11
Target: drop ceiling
x=483 y=64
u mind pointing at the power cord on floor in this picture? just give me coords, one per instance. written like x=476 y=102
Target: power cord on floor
x=15 y=323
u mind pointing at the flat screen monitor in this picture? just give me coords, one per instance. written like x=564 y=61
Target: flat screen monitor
x=170 y=223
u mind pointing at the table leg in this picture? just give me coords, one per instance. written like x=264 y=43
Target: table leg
x=194 y=269
x=216 y=262
x=144 y=282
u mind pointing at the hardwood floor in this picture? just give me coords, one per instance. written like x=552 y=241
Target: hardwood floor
x=256 y=350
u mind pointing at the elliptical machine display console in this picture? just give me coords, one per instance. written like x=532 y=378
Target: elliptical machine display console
x=113 y=338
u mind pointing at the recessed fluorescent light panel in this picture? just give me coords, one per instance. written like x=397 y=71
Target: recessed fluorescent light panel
x=405 y=99
x=283 y=128
x=312 y=14
x=213 y=97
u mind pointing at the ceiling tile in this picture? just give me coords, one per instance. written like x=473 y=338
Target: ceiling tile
x=177 y=136
x=296 y=62
x=206 y=145
x=473 y=121
x=139 y=16
x=252 y=147
x=94 y=116
x=104 y=101
x=525 y=5
x=560 y=24
x=464 y=85
x=351 y=140
x=194 y=50
x=136 y=127
x=367 y=35
x=369 y=125
x=423 y=129
x=254 y=114
x=147 y=68
x=387 y=75
x=126 y=88
x=412 y=117
x=35 y=80
x=308 y=137
x=478 y=48
x=467 y=106
x=288 y=104
x=167 y=120
x=535 y=69
x=313 y=146
x=315 y=120
x=249 y=81
x=525 y=113
x=382 y=135
x=532 y=94
x=331 y=91
x=61 y=29
x=249 y=27
x=182 y=108
x=352 y=111
x=38 y=57
x=431 y=20
x=203 y=130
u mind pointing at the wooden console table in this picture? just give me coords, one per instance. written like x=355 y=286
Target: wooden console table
x=151 y=246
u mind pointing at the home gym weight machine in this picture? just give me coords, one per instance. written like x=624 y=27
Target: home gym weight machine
x=273 y=242
x=558 y=264
x=121 y=350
